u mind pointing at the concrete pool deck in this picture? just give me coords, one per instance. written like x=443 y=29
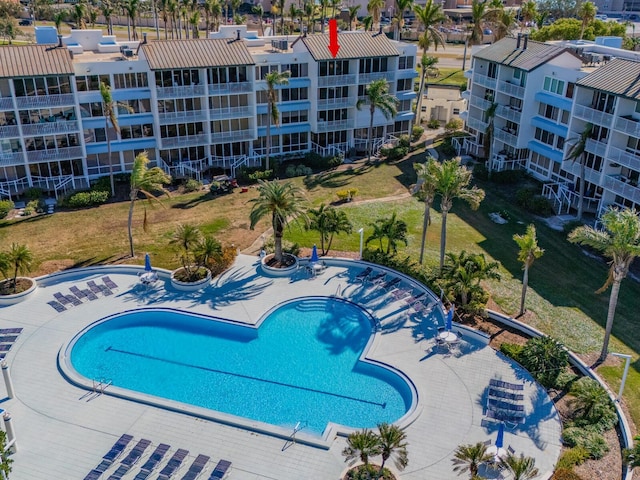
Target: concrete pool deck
x=62 y=435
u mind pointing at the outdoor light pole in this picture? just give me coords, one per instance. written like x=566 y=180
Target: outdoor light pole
x=624 y=374
x=361 y=232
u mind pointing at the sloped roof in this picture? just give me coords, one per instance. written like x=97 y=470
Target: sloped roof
x=619 y=77
x=505 y=52
x=34 y=60
x=196 y=53
x=352 y=45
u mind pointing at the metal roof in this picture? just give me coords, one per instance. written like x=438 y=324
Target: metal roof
x=619 y=77
x=352 y=45
x=34 y=60
x=506 y=52
x=210 y=52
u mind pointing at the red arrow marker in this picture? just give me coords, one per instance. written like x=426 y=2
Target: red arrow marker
x=333 y=37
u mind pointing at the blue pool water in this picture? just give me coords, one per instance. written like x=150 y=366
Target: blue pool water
x=301 y=364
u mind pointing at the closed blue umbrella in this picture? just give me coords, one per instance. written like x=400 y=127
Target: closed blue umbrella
x=314 y=254
x=500 y=437
x=147 y=263
x=449 y=318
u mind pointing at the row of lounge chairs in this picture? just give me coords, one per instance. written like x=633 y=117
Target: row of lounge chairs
x=7 y=338
x=174 y=463
x=504 y=402
x=77 y=295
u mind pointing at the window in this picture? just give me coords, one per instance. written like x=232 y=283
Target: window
x=492 y=70
x=130 y=107
x=603 y=102
x=544 y=136
x=373 y=65
x=548 y=111
x=405 y=63
x=404 y=84
x=570 y=88
x=294 y=94
x=333 y=68
x=553 y=85
x=262 y=71
x=93 y=109
x=332 y=115
x=136 y=131
x=130 y=80
x=456 y=111
x=230 y=125
x=177 y=78
x=293 y=142
x=91 y=82
x=262 y=96
x=334 y=92
x=296 y=70
x=228 y=101
x=564 y=117
x=42 y=86
x=520 y=77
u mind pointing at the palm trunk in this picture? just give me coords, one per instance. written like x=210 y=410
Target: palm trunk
x=277 y=236
x=130 y=223
x=525 y=284
x=266 y=161
x=613 y=303
x=370 y=146
x=425 y=224
x=111 y=181
x=443 y=235
x=420 y=95
x=582 y=182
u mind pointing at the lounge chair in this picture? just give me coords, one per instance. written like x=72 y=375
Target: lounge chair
x=90 y=295
x=173 y=464
x=510 y=450
x=5 y=331
x=493 y=392
x=62 y=299
x=411 y=299
x=77 y=292
x=363 y=275
x=377 y=279
x=154 y=459
x=118 y=447
x=111 y=285
x=502 y=416
x=196 y=467
x=400 y=293
x=57 y=306
x=502 y=405
x=136 y=452
x=8 y=338
x=5 y=347
x=75 y=301
x=93 y=286
x=221 y=470
x=93 y=475
x=506 y=385
x=389 y=284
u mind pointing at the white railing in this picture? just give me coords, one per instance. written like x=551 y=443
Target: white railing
x=67 y=153
x=182 y=116
x=481 y=103
x=331 y=150
x=630 y=127
x=181 y=91
x=334 y=80
x=476 y=124
x=502 y=162
x=509 y=113
x=236 y=135
x=186 y=141
x=595 y=147
x=484 y=81
x=9 y=131
x=624 y=157
x=6 y=103
x=11 y=158
x=616 y=184
x=330 y=103
x=506 y=137
x=13 y=187
x=227 y=88
x=233 y=112
x=335 y=125
x=50 y=128
x=61 y=182
x=191 y=168
x=37 y=101
x=513 y=90
x=370 y=77
x=473 y=148
x=592 y=116
x=559 y=195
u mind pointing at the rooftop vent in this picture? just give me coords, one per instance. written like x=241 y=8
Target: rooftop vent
x=281 y=45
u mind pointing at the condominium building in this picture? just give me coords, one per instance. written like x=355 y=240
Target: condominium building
x=544 y=96
x=192 y=105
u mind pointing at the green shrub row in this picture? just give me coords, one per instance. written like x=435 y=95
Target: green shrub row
x=86 y=199
x=5 y=207
x=528 y=199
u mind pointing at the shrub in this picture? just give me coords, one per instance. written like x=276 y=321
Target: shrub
x=588 y=439
x=512 y=350
x=367 y=472
x=34 y=193
x=34 y=206
x=219 y=264
x=545 y=358
x=565 y=474
x=394 y=153
x=347 y=194
x=480 y=171
x=102 y=184
x=416 y=133
x=192 y=185
x=541 y=206
x=5 y=207
x=287 y=247
x=592 y=406
x=572 y=457
x=86 y=199
x=507 y=176
x=565 y=379
x=447 y=148
x=261 y=175
x=453 y=125
x=524 y=196
x=433 y=124
x=298 y=171
x=571 y=225
x=313 y=159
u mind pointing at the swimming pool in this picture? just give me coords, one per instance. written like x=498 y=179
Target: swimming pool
x=303 y=364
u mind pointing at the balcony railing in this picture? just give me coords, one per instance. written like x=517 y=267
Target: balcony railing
x=592 y=115
x=334 y=80
x=628 y=158
x=50 y=128
x=230 y=112
x=226 y=88
x=484 y=80
x=476 y=124
x=595 y=147
x=511 y=89
x=67 y=153
x=9 y=131
x=183 y=116
x=370 y=77
x=38 y=101
x=628 y=126
x=506 y=137
x=616 y=184
x=481 y=103
x=183 y=91
x=330 y=103
x=509 y=113
x=6 y=103
x=186 y=141
x=11 y=158
x=335 y=125
x=235 y=136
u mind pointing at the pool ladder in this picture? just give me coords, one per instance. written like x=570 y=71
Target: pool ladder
x=97 y=389
x=299 y=426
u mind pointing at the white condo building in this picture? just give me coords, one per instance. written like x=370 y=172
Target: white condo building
x=192 y=105
x=546 y=95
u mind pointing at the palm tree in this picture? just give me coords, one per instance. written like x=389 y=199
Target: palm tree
x=504 y=23
x=107 y=13
x=463 y=273
x=576 y=154
x=590 y=401
x=109 y=109
x=453 y=182
x=360 y=446
x=401 y=7
x=426 y=191
x=487 y=144
x=393 y=445
x=59 y=17
x=367 y=23
x=144 y=181
x=430 y=16
x=328 y=221
x=273 y=79
x=426 y=63
x=468 y=458
x=391 y=229
x=132 y=8
x=374 y=7
x=528 y=12
x=324 y=6
x=280 y=6
x=631 y=456
x=93 y=16
x=353 y=15
x=586 y=12
x=79 y=12
x=378 y=97
x=480 y=11
x=334 y=5
x=283 y=202
x=529 y=251
x=620 y=241
x=235 y=5
x=19 y=259
x=259 y=11
x=194 y=21
x=186 y=237
x=521 y=468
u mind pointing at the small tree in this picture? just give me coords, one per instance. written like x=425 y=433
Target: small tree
x=462 y=274
x=194 y=251
x=631 y=456
x=17 y=260
x=360 y=446
x=328 y=221
x=5 y=460
x=545 y=359
x=392 y=441
x=468 y=458
x=391 y=229
x=591 y=404
x=426 y=191
x=529 y=252
x=521 y=468
x=378 y=98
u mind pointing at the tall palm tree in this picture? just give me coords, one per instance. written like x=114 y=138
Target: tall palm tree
x=283 y=202
x=378 y=98
x=587 y=13
x=273 y=79
x=144 y=181
x=79 y=13
x=426 y=63
x=481 y=10
x=463 y=273
x=59 y=17
x=107 y=13
x=19 y=259
x=235 y=5
x=453 y=182
x=393 y=445
x=426 y=191
x=353 y=15
x=280 y=5
x=468 y=458
x=328 y=221
x=367 y=23
x=529 y=252
x=360 y=446
x=528 y=13
x=334 y=5
x=132 y=8
x=490 y=115
x=430 y=16
x=576 y=154
x=391 y=229
x=504 y=23
x=92 y=14
x=194 y=21
x=619 y=241
x=374 y=7
x=521 y=468
x=259 y=11
x=401 y=7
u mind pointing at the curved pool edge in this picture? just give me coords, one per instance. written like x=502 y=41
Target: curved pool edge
x=323 y=441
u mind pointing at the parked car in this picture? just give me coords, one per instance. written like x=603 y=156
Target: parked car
x=25 y=22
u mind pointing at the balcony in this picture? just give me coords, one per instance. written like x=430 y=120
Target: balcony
x=334 y=80
x=510 y=113
x=628 y=158
x=484 y=81
x=468 y=73
x=630 y=126
x=333 y=103
x=227 y=88
x=506 y=137
x=187 y=141
x=370 y=77
x=511 y=89
x=67 y=153
x=177 y=92
x=50 y=128
x=476 y=124
x=466 y=95
x=619 y=186
x=9 y=131
x=234 y=136
x=11 y=158
x=38 y=101
x=481 y=103
x=592 y=115
x=182 y=116
x=334 y=125
x=6 y=103
x=231 y=112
